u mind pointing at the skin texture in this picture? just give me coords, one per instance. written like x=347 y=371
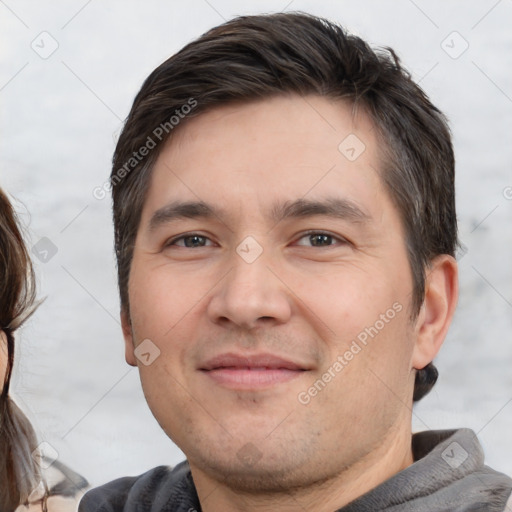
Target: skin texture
x=3 y=356
x=300 y=299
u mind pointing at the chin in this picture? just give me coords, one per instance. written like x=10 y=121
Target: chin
x=269 y=478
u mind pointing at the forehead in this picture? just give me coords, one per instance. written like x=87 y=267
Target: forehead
x=249 y=155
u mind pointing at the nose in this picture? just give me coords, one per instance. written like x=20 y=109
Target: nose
x=250 y=296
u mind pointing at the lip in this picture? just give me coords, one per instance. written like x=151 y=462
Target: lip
x=232 y=360
x=246 y=372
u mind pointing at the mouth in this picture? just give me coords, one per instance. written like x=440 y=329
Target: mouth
x=243 y=372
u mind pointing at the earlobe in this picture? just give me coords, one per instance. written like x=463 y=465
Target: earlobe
x=441 y=294
x=128 y=338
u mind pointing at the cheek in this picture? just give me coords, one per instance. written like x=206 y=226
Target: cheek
x=167 y=398
x=349 y=299
x=364 y=326
x=162 y=299
x=165 y=307
x=368 y=374
x=377 y=377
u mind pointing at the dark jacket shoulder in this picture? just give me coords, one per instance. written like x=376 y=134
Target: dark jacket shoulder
x=160 y=489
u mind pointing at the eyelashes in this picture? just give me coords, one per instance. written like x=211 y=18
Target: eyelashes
x=322 y=236
x=319 y=239
x=192 y=240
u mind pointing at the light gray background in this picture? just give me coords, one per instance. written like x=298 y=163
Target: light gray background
x=60 y=120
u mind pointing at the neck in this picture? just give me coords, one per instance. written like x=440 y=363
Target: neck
x=391 y=456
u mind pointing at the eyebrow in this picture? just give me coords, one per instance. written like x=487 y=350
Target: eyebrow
x=335 y=207
x=338 y=208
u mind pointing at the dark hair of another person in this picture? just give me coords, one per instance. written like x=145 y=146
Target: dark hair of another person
x=257 y=57
x=19 y=472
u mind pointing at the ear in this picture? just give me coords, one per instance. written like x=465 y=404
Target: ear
x=128 y=337
x=441 y=294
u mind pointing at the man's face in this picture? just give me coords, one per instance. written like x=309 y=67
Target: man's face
x=265 y=271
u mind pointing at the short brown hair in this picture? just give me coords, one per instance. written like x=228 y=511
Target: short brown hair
x=252 y=57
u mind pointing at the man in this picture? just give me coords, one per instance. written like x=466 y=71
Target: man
x=285 y=232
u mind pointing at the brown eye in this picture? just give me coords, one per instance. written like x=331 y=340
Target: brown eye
x=189 y=241
x=319 y=239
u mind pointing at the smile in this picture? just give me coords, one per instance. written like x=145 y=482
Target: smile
x=248 y=378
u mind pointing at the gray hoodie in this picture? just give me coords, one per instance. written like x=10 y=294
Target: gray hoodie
x=448 y=475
